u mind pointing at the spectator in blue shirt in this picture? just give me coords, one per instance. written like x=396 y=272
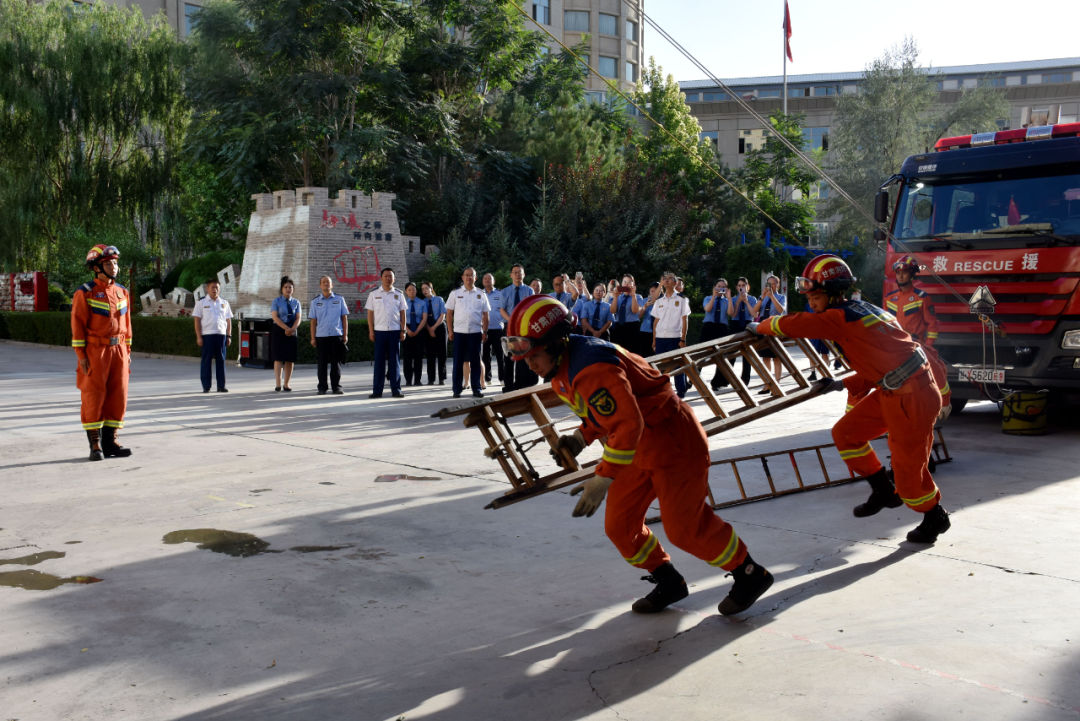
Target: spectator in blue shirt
x=596 y=315
x=740 y=313
x=413 y=347
x=436 y=335
x=285 y=315
x=329 y=320
x=772 y=302
x=516 y=374
x=625 y=307
x=716 y=322
x=645 y=334
x=496 y=325
x=560 y=293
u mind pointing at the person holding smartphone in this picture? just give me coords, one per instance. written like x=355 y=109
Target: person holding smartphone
x=740 y=313
x=626 y=306
x=716 y=322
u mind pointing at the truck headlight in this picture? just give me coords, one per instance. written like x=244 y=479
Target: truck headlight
x=1071 y=340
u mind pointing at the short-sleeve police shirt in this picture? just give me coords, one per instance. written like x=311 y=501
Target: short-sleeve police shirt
x=469 y=307
x=668 y=314
x=327 y=312
x=387 y=306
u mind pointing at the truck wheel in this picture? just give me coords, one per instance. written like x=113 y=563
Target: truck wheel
x=958 y=404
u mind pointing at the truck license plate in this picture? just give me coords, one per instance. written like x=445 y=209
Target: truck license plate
x=981 y=375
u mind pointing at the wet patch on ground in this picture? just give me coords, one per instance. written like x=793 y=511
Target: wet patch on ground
x=33 y=559
x=318 y=549
x=231 y=543
x=37 y=581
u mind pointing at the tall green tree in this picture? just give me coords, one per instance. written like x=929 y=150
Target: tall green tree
x=93 y=117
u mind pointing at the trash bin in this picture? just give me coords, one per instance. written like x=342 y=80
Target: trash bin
x=255 y=342
x=1023 y=413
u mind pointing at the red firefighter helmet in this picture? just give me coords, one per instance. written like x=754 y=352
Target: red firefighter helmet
x=909 y=262
x=827 y=273
x=536 y=322
x=101 y=252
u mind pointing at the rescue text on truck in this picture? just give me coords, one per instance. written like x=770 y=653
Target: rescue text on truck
x=999 y=210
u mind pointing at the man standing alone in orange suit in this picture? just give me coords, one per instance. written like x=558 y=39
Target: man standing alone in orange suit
x=101 y=337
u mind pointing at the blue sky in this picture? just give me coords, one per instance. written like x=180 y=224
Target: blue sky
x=741 y=39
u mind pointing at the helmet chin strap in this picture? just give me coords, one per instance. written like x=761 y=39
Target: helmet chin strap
x=100 y=268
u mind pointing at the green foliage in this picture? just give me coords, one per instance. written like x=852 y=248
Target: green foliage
x=895 y=115
x=57 y=297
x=48 y=328
x=750 y=259
x=93 y=115
x=197 y=271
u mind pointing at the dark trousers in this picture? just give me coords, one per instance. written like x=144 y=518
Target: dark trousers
x=386 y=361
x=516 y=374
x=213 y=351
x=328 y=352
x=435 y=350
x=412 y=356
x=663 y=345
x=712 y=331
x=738 y=326
x=644 y=344
x=467 y=350
x=493 y=345
x=626 y=335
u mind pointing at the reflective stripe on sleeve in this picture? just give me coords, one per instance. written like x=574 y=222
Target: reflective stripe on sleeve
x=729 y=552
x=919 y=501
x=646 y=548
x=863 y=450
x=617 y=456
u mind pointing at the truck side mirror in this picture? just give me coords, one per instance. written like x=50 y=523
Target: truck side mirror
x=881 y=206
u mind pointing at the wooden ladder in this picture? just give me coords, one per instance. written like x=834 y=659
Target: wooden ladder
x=514 y=424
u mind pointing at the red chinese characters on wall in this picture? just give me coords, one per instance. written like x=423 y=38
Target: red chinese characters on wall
x=359 y=266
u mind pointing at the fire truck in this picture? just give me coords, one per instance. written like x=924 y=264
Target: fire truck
x=994 y=221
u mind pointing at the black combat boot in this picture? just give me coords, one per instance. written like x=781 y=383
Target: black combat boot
x=751 y=580
x=94 y=436
x=934 y=522
x=670 y=587
x=111 y=448
x=882 y=495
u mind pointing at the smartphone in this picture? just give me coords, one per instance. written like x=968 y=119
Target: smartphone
x=578 y=275
x=624 y=289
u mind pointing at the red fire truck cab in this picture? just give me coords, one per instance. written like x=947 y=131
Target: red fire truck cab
x=1000 y=210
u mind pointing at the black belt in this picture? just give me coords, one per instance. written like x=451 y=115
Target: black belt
x=898 y=376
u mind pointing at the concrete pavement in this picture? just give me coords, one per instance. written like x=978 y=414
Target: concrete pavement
x=386 y=590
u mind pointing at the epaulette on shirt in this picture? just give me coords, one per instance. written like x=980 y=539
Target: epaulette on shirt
x=87 y=287
x=858 y=309
x=587 y=350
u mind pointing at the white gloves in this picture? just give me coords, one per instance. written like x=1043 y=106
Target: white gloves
x=593 y=492
x=572 y=444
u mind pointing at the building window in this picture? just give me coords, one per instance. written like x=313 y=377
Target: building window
x=595 y=96
x=541 y=11
x=950 y=85
x=609 y=24
x=798 y=92
x=576 y=20
x=1054 y=78
x=713 y=136
x=996 y=82
x=769 y=93
x=631 y=31
x=824 y=91
x=713 y=97
x=692 y=97
x=1069 y=112
x=816 y=138
x=607 y=66
x=1040 y=116
x=631 y=72
x=191 y=17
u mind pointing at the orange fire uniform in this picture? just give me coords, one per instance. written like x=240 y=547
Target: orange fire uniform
x=654 y=448
x=874 y=344
x=915 y=312
x=101 y=334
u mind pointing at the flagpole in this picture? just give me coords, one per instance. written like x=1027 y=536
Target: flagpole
x=784 y=51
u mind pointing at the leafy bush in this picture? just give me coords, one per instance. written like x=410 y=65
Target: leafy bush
x=58 y=298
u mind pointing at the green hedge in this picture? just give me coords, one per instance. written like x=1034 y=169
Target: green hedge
x=176 y=336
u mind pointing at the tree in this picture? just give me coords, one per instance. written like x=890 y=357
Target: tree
x=895 y=115
x=93 y=119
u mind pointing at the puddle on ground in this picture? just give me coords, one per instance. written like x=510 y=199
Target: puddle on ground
x=391 y=477
x=38 y=581
x=33 y=559
x=318 y=549
x=231 y=543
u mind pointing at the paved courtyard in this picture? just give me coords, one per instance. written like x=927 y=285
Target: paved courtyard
x=377 y=587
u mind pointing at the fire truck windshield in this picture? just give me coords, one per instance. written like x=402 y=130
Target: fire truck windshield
x=949 y=208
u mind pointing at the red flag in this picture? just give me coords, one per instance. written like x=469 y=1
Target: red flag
x=787 y=32
x=1014 y=212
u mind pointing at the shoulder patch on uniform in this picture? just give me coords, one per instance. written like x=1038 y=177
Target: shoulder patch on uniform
x=602 y=402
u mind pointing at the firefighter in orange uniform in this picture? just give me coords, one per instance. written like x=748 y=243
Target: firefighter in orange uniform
x=895 y=389
x=654 y=448
x=101 y=337
x=915 y=312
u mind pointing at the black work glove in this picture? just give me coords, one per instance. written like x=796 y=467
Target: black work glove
x=573 y=444
x=829 y=384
